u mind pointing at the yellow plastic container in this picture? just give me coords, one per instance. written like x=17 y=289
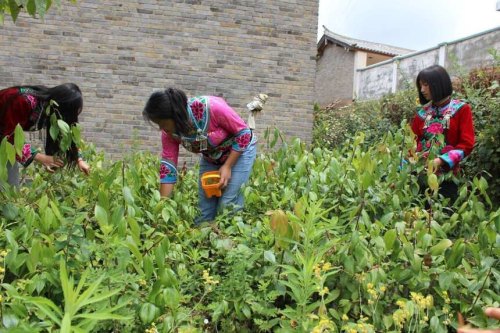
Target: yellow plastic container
x=210 y=184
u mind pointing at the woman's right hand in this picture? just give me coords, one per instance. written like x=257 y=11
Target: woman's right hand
x=49 y=162
x=490 y=312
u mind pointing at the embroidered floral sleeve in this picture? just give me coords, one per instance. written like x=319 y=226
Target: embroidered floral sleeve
x=28 y=155
x=242 y=140
x=452 y=156
x=168 y=172
x=228 y=119
x=169 y=157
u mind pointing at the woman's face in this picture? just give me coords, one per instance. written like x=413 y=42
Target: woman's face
x=425 y=90
x=168 y=125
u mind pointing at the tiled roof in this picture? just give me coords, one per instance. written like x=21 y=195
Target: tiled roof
x=362 y=44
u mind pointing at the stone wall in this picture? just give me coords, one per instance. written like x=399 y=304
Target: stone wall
x=119 y=52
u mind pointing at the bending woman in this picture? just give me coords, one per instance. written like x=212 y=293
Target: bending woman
x=206 y=125
x=25 y=105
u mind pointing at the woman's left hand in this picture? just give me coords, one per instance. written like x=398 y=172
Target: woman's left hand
x=225 y=176
x=437 y=163
x=84 y=167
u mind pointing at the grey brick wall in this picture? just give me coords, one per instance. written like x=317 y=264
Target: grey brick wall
x=119 y=52
x=334 y=75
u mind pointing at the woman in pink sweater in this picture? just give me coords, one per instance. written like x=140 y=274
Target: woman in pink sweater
x=209 y=126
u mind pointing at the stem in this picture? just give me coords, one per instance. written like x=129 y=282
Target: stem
x=482 y=287
x=360 y=211
x=281 y=263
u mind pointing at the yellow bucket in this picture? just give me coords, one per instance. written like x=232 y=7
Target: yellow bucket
x=210 y=184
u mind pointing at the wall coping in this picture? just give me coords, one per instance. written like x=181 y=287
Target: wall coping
x=409 y=55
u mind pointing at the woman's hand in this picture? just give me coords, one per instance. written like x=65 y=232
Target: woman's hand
x=49 y=162
x=225 y=175
x=84 y=167
x=437 y=163
x=490 y=312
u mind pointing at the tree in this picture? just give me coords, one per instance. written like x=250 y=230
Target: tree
x=32 y=7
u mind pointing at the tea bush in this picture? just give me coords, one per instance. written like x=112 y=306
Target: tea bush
x=329 y=241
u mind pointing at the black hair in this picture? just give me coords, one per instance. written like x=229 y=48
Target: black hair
x=169 y=104
x=439 y=82
x=69 y=101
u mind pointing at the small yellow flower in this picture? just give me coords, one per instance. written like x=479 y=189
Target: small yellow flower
x=142 y=282
x=2 y=269
x=383 y=288
x=326 y=266
x=344 y=317
x=369 y=286
x=209 y=280
x=324 y=291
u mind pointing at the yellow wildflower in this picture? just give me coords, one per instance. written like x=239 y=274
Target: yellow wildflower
x=152 y=329
x=324 y=291
x=209 y=279
x=344 y=317
x=326 y=266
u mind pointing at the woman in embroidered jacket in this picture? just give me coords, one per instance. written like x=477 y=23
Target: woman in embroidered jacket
x=443 y=126
x=206 y=125
x=26 y=106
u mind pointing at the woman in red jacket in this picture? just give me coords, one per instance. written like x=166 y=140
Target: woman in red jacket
x=26 y=106
x=443 y=126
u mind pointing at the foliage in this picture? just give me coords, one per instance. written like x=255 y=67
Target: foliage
x=332 y=126
x=481 y=88
x=33 y=7
x=329 y=240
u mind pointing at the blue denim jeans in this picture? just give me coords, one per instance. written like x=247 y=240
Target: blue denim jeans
x=232 y=194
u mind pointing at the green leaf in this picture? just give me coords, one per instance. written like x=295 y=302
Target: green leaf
x=46 y=306
x=433 y=183
x=389 y=238
x=127 y=194
x=41 y=7
x=31 y=7
x=63 y=126
x=11 y=153
x=54 y=132
x=102 y=218
x=456 y=254
x=440 y=247
x=147 y=266
x=9 y=320
x=14 y=9
x=102 y=316
x=76 y=132
x=269 y=256
x=19 y=140
x=147 y=312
